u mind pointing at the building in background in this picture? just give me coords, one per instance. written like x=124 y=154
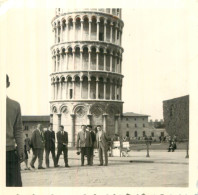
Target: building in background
x=86 y=78
x=176 y=116
x=30 y=123
x=136 y=127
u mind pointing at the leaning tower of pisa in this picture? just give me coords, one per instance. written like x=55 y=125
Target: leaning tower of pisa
x=86 y=78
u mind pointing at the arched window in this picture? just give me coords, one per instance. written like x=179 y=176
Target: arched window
x=143 y=133
x=135 y=134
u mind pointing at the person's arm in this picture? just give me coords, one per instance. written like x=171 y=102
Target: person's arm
x=18 y=133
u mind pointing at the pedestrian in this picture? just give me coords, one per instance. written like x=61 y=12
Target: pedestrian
x=49 y=136
x=37 y=144
x=102 y=145
x=26 y=150
x=62 y=139
x=93 y=137
x=84 y=143
x=14 y=136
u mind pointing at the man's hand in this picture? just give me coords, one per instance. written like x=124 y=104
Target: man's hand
x=21 y=156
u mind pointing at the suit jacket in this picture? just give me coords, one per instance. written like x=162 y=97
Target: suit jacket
x=84 y=141
x=62 y=138
x=37 y=139
x=104 y=139
x=93 y=138
x=49 y=139
x=14 y=131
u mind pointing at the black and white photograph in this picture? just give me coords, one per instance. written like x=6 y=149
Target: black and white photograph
x=97 y=98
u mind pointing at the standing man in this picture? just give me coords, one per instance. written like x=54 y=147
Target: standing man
x=14 y=136
x=93 y=138
x=84 y=141
x=37 y=143
x=62 y=138
x=49 y=136
x=102 y=145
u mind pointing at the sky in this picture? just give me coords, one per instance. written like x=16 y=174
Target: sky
x=155 y=59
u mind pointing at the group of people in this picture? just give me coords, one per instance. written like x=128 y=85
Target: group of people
x=87 y=140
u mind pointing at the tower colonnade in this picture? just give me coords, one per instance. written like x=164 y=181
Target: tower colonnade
x=82 y=26
x=86 y=56
x=82 y=86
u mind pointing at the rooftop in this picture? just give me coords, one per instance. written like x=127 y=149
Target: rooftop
x=134 y=114
x=41 y=118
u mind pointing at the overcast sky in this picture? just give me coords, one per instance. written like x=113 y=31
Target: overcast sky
x=155 y=59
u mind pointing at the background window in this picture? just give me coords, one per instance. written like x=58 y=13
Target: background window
x=143 y=133
x=135 y=125
x=127 y=125
x=143 y=125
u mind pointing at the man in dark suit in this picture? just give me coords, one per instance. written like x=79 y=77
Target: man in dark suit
x=37 y=144
x=49 y=136
x=102 y=145
x=93 y=138
x=84 y=142
x=62 y=138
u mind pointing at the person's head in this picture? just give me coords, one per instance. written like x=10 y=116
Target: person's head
x=83 y=127
x=99 y=128
x=89 y=127
x=39 y=126
x=7 y=81
x=61 y=128
x=50 y=126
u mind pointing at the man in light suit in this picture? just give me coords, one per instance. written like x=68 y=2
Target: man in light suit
x=102 y=145
x=37 y=144
x=84 y=142
x=62 y=138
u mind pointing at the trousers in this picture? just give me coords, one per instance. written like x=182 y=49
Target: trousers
x=103 y=150
x=37 y=152
x=47 y=152
x=85 y=151
x=13 y=170
x=64 y=149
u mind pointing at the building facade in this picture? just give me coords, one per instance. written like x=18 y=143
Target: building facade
x=176 y=116
x=137 y=127
x=86 y=78
x=30 y=123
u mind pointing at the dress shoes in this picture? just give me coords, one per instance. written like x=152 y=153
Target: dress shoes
x=41 y=168
x=32 y=166
x=67 y=166
x=100 y=165
x=56 y=165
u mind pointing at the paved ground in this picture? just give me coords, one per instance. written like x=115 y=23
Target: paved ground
x=161 y=169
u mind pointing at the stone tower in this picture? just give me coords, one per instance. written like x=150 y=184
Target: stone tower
x=86 y=78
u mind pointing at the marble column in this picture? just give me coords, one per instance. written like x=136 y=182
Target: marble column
x=89 y=87
x=89 y=65
x=97 y=59
x=111 y=90
x=90 y=30
x=116 y=124
x=73 y=130
x=81 y=88
x=67 y=31
x=97 y=34
x=51 y=119
x=89 y=118
x=81 y=29
x=104 y=90
x=105 y=30
x=59 y=121
x=55 y=95
x=111 y=61
x=105 y=61
x=97 y=92
x=111 y=32
x=73 y=60
x=74 y=31
x=105 y=122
